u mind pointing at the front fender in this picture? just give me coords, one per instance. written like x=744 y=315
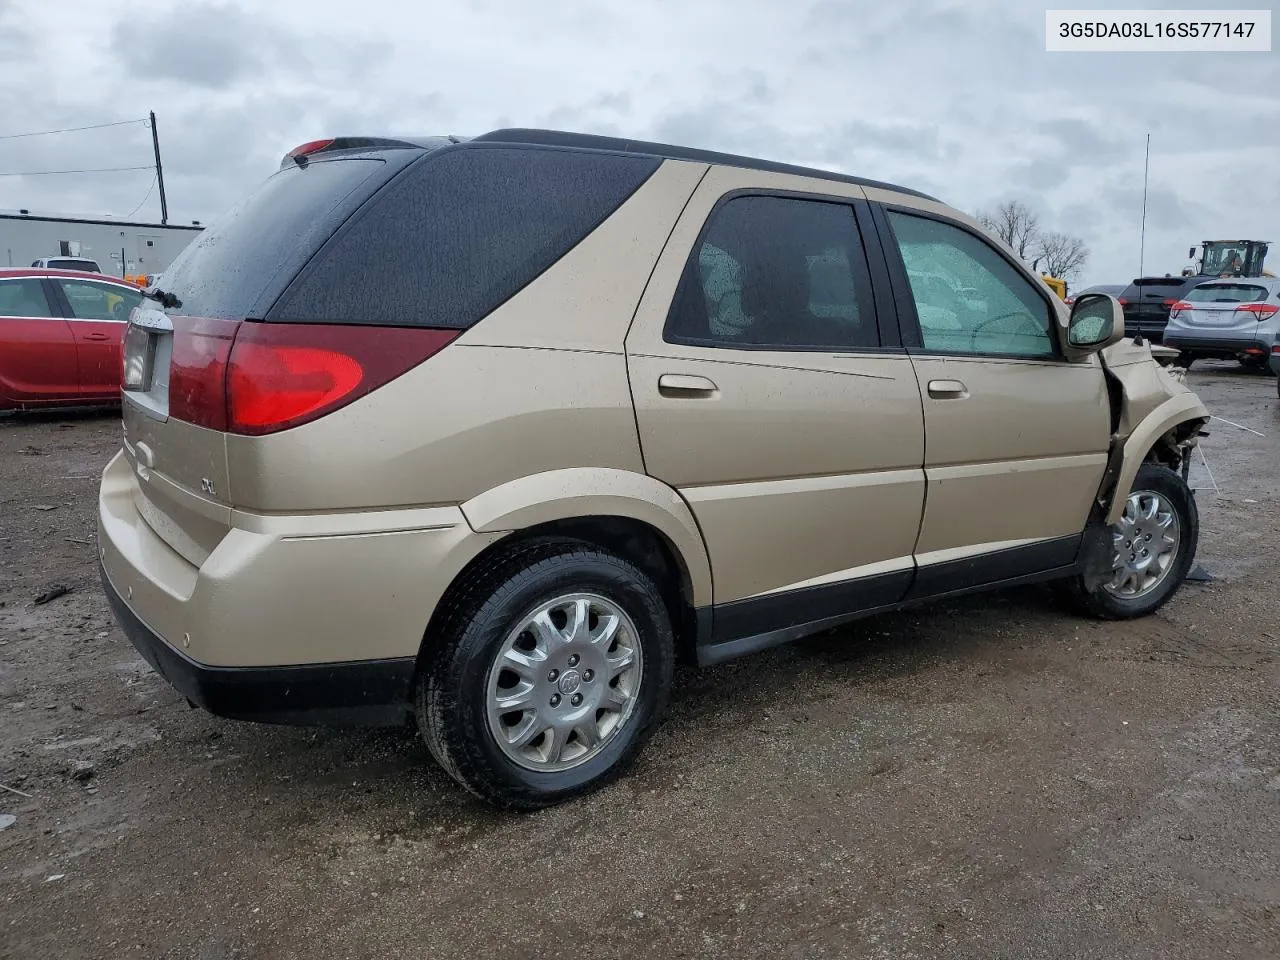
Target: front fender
x=596 y=492
x=1179 y=409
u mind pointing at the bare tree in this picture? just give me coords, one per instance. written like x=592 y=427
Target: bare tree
x=1062 y=255
x=1016 y=224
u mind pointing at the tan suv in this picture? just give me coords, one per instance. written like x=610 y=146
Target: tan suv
x=490 y=433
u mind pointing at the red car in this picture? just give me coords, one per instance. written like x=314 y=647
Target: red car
x=60 y=336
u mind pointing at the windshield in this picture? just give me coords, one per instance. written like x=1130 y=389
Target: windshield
x=1234 y=259
x=1227 y=293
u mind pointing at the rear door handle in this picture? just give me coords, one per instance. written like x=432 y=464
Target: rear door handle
x=947 y=390
x=684 y=385
x=96 y=336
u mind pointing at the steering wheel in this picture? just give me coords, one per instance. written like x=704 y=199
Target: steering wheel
x=973 y=337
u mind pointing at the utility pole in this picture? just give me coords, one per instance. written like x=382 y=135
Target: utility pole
x=155 y=142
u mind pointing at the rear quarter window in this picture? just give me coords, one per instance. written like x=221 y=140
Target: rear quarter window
x=459 y=233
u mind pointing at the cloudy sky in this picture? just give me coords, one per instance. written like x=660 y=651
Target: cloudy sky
x=958 y=99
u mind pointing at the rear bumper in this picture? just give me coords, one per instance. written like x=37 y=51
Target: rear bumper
x=359 y=693
x=293 y=619
x=1214 y=346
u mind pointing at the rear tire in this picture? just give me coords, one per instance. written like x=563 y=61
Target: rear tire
x=1252 y=362
x=1185 y=360
x=560 y=637
x=1130 y=584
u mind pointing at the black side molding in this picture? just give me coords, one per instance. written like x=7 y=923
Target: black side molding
x=748 y=626
x=1003 y=567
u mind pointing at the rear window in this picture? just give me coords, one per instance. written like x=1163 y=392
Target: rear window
x=250 y=253
x=89 y=265
x=460 y=233
x=1227 y=293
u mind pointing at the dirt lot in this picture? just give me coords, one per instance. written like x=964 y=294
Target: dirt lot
x=987 y=778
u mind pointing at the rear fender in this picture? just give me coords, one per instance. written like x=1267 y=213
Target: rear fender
x=583 y=492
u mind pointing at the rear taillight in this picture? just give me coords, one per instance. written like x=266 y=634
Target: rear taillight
x=198 y=370
x=281 y=375
x=1263 y=311
x=1169 y=301
x=1177 y=306
x=1122 y=300
x=259 y=378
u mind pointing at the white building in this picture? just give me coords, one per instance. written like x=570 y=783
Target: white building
x=120 y=247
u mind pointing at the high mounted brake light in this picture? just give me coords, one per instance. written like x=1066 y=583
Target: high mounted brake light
x=303 y=151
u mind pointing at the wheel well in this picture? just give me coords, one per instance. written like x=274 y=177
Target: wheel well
x=632 y=540
x=1173 y=448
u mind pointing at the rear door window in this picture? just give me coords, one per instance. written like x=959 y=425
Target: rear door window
x=1227 y=293
x=23 y=298
x=98 y=301
x=460 y=233
x=776 y=273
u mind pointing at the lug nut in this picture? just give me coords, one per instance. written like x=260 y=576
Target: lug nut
x=553 y=676
x=573 y=660
x=577 y=699
x=555 y=699
x=588 y=675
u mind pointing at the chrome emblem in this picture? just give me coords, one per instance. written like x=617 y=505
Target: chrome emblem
x=206 y=486
x=569 y=683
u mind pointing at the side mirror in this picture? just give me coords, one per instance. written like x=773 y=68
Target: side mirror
x=1097 y=321
x=1191 y=252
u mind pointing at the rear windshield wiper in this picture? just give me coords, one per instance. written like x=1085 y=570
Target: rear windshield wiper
x=166 y=299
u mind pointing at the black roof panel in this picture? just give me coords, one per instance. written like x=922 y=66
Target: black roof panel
x=586 y=141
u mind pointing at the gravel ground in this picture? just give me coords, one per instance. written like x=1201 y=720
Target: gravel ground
x=985 y=778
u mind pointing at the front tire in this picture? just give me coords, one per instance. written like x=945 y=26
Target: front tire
x=550 y=671
x=1151 y=549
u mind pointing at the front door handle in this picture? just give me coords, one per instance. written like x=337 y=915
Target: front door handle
x=947 y=390
x=685 y=385
x=96 y=336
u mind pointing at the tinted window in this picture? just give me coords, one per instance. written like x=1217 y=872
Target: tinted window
x=88 y=265
x=969 y=299
x=252 y=251
x=23 y=298
x=99 y=301
x=1227 y=293
x=776 y=272
x=460 y=233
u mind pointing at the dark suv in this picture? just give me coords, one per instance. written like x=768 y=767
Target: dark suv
x=1147 y=301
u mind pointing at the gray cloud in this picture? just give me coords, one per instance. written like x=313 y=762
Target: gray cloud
x=216 y=45
x=206 y=44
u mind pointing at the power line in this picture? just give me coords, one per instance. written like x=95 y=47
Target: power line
x=50 y=173
x=92 y=126
x=130 y=214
